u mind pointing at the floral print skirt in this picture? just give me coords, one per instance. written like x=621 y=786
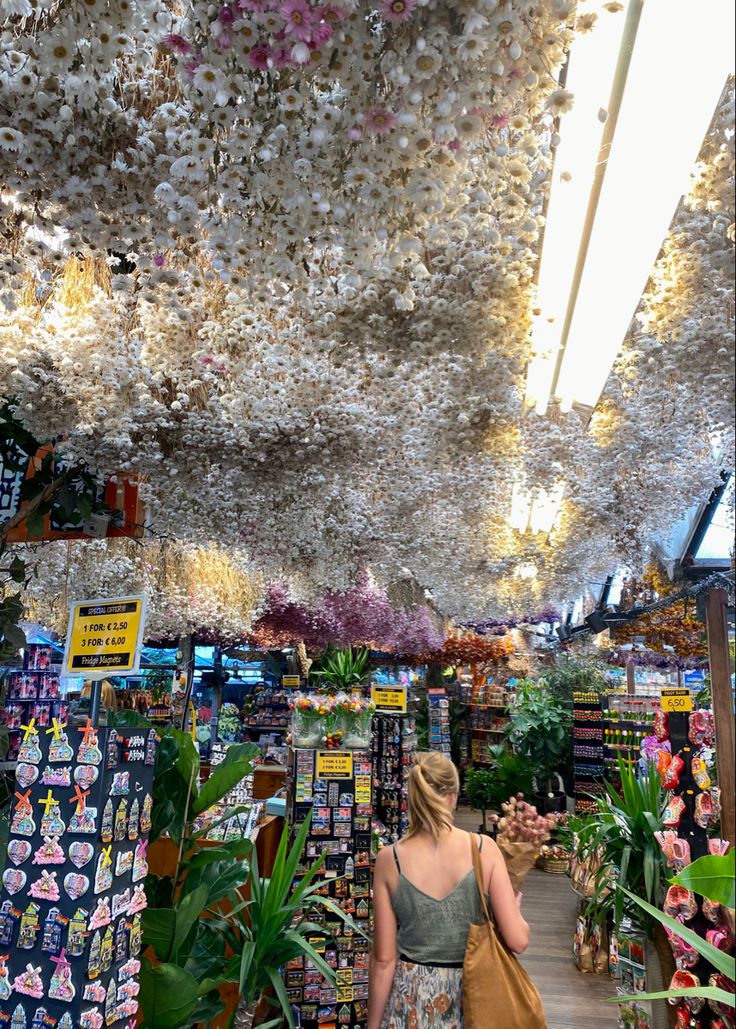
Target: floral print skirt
x=425 y=997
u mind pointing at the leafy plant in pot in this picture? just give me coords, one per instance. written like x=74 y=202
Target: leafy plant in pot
x=507 y=774
x=340 y=670
x=539 y=730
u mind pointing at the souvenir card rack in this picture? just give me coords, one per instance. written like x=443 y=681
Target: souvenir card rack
x=73 y=887
x=439 y=720
x=241 y=825
x=394 y=748
x=488 y=720
x=33 y=692
x=587 y=749
x=268 y=711
x=335 y=789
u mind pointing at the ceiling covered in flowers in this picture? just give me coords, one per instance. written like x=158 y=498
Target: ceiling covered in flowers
x=278 y=259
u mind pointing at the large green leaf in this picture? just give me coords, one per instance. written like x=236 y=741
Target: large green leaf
x=207 y=956
x=237 y=764
x=188 y=911
x=159 y=926
x=236 y=850
x=218 y=879
x=706 y=992
x=711 y=876
x=167 y=996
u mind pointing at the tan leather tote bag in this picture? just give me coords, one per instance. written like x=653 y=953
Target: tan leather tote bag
x=497 y=992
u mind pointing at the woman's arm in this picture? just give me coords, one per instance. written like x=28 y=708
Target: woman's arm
x=505 y=903
x=383 y=956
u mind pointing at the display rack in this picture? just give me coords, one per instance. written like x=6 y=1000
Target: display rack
x=33 y=692
x=588 y=753
x=627 y=719
x=241 y=825
x=268 y=712
x=439 y=720
x=334 y=790
x=488 y=720
x=394 y=749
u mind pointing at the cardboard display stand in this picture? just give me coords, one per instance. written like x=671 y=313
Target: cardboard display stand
x=72 y=890
x=336 y=794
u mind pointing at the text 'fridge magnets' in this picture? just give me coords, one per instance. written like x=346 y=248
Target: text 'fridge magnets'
x=81 y=853
x=14 y=879
x=29 y=982
x=19 y=851
x=25 y=774
x=62 y=985
x=57 y=776
x=45 y=888
x=50 y=852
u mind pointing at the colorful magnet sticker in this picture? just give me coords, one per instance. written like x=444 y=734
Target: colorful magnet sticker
x=19 y=1018
x=120 y=829
x=45 y=888
x=62 y=985
x=130 y=969
x=14 y=879
x=120 y=784
x=123 y=862
x=77 y=934
x=95 y=992
x=93 y=960
x=101 y=915
x=50 y=852
x=121 y=940
x=136 y=936
x=111 y=1003
x=145 y=822
x=25 y=774
x=139 y=901
x=8 y=921
x=133 y=818
x=151 y=744
x=140 y=862
x=66 y=1021
x=29 y=750
x=76 y=884
x=52 y=824
x=60 y=749
x=107 y=824
x=57 y=776
x=52 y=930
x=84 y=820
x=89 y=752
x=86 y=776
x=113 y=751
x=81 y=853
x=29 y=982
x=121 y=903
x=29 y=927
x=19 y=851
x=107 y=950
x=5 y=987
x=23 y=824
x=91 y=1019
x=103 y=874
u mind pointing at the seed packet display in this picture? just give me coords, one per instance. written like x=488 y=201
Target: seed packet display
x=340 y=820
x=70 y=922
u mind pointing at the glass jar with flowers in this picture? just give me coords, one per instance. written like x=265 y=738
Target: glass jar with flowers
x=310 y=715
x=355 y=714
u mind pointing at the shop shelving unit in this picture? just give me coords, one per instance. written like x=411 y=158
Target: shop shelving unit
x=33 y=692
x=588 y=752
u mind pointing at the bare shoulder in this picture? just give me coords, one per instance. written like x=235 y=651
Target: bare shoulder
x=384 y=859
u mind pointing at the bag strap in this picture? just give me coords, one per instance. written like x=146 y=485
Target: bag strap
x=478 y=869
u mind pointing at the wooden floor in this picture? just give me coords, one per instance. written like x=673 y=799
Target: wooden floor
x=572 y=1000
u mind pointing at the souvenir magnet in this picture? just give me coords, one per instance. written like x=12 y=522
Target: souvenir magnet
x=19 y=1018
x=85 y=776
x=29 y=927
x=95 y=992
x=80 y=853
x=76 y=884
x=123 y=862
x=29 y=750
x=93 y=959
x=113 y=752
x=45 y=888
x=130 y=969
x=8 y=921
x=62 y=986
x=140 y=862
x=14 y=879
x=5 y=986
x=106 y=949
x=29 y=982
x=19 y=851
x=103 y=874
x=133 y=818
x=139 y=901
x=84 y=821
x=49 y=853
x=57 y=776
x=151 y=743
x=121 y=903
x=66 y=1021
x=120 y=784
x=23 y=824
x=120 y=828
x=136 y=936
x=121 y=940
x=91 y=1019
x=60 y=749
x=89 y=752
x=106 y=829
x=25 y=774
x=145 y=822
x=101 y=915
x=76 y=938
x=51 y=941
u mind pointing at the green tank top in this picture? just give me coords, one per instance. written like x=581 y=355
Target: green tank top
x=431 y=931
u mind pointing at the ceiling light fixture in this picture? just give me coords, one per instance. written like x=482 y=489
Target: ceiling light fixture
x=605 y=225
x=535 y=510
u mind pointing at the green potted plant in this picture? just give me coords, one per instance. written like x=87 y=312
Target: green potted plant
x=507 y=775
x=341 y=670
x=539 y=730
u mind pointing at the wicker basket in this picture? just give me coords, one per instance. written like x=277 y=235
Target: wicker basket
x=555 y=866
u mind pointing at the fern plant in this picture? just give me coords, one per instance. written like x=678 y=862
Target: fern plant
x=341 y=670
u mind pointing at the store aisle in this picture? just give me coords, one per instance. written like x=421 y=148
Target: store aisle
x=572 y=1000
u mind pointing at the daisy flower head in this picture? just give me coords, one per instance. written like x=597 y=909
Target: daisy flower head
x=423 y=64
x=208 y=79
x=397 y=11
x=380 y=121
x=11 y=139
x=560 y=101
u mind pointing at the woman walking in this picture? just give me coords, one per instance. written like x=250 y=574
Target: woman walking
x=425 y=899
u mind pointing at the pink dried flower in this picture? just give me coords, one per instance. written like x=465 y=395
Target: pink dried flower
x=397 y=10
x=178 y=44
x=299 y=19
x=380 y=121
x=258 y=57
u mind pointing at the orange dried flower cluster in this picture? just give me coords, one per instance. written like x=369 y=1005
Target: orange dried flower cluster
x=676 y=627
x=469 y=649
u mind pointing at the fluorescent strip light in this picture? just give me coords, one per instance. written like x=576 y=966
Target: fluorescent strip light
x=682 y=57
x=590 y=71
x=535 y=511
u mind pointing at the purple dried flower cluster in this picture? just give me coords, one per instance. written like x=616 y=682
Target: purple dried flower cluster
x=653 y=659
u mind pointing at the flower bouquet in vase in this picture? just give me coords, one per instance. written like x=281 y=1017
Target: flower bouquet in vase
x=355 y=714
x=312 y=715
x=520 y=834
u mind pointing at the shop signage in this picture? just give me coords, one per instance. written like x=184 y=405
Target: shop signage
x=393 y=699
x=676 y=699
x=104 y=637
x=334 y=764
x=291 y=680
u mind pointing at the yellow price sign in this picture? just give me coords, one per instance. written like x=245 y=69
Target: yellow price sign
x=389 y=699
x=291 y=680
x=334 y=764
x=104 y=637
x=677 y=699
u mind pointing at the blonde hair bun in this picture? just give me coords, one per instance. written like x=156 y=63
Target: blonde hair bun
x=432 y=779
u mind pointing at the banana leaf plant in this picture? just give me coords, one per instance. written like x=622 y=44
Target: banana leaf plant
x=341 y=669
x=278 y=922
x=622 y=832
x=181 y=970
